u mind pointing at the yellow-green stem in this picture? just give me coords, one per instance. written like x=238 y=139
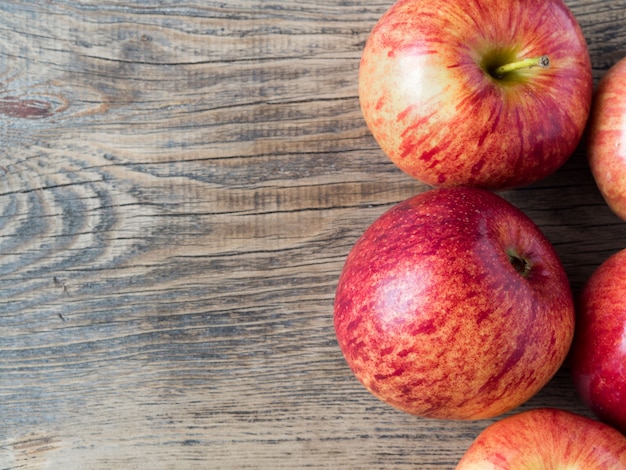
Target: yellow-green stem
x=543 y=62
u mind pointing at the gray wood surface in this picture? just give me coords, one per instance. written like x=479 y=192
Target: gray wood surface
x=180 y=183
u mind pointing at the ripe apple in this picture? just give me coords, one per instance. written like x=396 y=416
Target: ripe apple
x=546 y=438
x=454 y=305
x=598 y=355
x=493 y=94
x=606 y=141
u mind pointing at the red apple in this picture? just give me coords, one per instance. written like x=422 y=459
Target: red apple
x=454 y=305
x=546 y=438
x=598 y=356
x=453 y=92
x=606 y=144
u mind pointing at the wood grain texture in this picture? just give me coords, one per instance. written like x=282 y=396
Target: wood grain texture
x=180 y=183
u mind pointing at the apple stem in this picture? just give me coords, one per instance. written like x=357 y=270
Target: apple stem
x=543 y=62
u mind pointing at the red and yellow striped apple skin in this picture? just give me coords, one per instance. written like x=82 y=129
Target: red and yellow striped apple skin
x=441 y=118
x=606 y=143
x=546 y=438
x=433 y=318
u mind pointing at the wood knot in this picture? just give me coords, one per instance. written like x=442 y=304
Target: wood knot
x=30 y=108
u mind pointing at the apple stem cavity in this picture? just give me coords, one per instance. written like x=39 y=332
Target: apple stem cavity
x=521 y=265
x=543 y=62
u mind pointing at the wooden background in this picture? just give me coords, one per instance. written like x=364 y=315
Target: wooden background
x=180 y=183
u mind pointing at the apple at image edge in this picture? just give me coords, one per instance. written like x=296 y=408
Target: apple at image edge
x=431 y=98
x=606 y=137
x=598 y=354
x=546 y=438
x=454 y=305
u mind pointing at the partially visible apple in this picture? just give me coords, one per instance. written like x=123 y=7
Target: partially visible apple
x=546 y=438
x=606 y=144
x=459 y=92
x=454 y=305
x=598 y=355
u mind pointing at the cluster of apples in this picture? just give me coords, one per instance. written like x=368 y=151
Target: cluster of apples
x=453 y=304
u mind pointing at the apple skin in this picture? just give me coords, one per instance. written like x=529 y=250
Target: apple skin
x=546 y=438
x=598 y=356
x=606 y=149
x=454 y=305
x=440 y=116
